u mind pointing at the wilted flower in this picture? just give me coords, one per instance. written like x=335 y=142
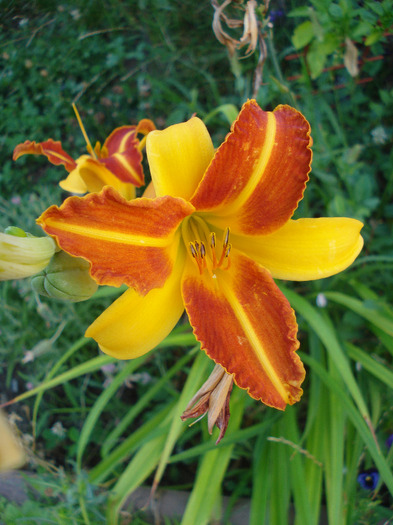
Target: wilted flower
x=249 y=25
x=212 y=399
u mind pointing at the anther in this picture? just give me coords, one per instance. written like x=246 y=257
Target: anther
x=194 y=253
x=226 y=237
x=203 y=250
x=226 y=248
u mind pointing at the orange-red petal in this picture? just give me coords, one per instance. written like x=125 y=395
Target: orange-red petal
x=144 y=126
x=126 y=242
x=246 y=324
x=50 y=148
x=258 y=175
x=124 y=157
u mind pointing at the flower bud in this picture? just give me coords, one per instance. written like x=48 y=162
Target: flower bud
x=22 y=255
x=65 y=278
x=12 y=454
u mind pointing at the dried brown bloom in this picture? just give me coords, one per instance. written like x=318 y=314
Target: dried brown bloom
x=253 y=30
x=249 y=25
x=212 y=398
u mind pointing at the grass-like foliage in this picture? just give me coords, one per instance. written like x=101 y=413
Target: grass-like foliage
x=98 y=429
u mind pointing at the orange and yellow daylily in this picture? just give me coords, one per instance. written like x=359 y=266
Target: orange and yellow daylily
x=212 y=240
x=117 y=163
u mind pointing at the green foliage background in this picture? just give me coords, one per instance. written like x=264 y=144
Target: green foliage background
x=159 y=59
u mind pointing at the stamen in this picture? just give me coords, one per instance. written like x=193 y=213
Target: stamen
x=226 y=237
x=198 y=256
x=213 y=248
x=202 y=245
x=229 y=247
x=89 y=148
x=226 y=247
x=194 y=253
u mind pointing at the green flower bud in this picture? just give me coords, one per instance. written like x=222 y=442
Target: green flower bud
x=65 y=278
x=22 y=255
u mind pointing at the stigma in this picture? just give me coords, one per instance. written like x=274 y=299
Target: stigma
x=206 y=256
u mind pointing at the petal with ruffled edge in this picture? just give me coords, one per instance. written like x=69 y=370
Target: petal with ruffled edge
x=178 y=157
x=121 y=153
x=246 y=324
x=135 y=242
x=50 y=148
x=305 y=249
x=133 y=325
x=258 y=175
x=91 y=176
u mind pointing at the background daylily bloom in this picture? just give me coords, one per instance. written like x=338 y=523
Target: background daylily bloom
x=211 y=241
x=118 y=163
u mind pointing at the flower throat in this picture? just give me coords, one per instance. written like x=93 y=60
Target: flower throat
x=202 y=246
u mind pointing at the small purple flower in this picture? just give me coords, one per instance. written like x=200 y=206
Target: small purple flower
x=275 y=14
x=389 y=441
x=368 y=479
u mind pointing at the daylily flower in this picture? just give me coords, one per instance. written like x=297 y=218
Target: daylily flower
x=118 y=163
x=211 y=241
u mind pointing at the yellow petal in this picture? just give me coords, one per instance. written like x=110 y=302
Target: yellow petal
x=134 y=324
x=74 y=182
x=91 y=176
x=178 y=157
x=305 y=249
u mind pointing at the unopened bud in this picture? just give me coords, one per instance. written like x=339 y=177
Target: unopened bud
x=65 y=278
x=22 y=255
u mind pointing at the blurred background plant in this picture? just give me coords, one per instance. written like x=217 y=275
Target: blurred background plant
x=97 y=429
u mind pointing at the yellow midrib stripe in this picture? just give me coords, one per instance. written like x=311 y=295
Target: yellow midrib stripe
x=110 y=235
x=124 y=162
x=254 y=341
x=122 y=146
x=259 y=169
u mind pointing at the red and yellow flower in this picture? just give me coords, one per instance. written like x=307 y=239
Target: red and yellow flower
x=212 y=240
x=118 y=163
